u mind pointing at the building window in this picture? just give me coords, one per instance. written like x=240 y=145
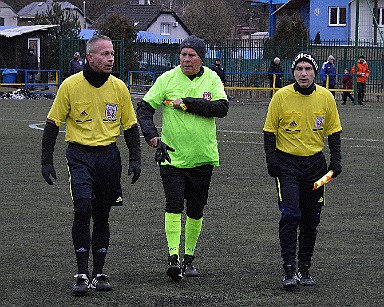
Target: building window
x=380 y=21
x=337 y=16
x=165 y=29
x=1 y=21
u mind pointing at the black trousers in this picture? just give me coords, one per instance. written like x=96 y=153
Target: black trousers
x=347 y=95
x=300 y=206
x=360 y=92
x=190 y=184
x=94 y=175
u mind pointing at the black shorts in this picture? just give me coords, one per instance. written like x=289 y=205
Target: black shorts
x=95 y=173
x=295 y=185
x=191 y=184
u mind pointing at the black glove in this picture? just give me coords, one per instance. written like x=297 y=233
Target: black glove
x=161 y=153
x=270 y=154
x=135 y=168
x=336 y=168
x=334 y=143
x=48 y=144
x=48 y=170
x=273 y=167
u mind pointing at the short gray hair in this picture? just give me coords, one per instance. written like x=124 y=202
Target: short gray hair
x=93 y=40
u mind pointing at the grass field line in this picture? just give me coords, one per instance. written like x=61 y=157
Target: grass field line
x=262 y=143
x=39 y=124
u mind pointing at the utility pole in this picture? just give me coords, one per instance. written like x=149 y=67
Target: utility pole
x=272 y=18
x=356 y=50
x=85 y=17
x=375 y=20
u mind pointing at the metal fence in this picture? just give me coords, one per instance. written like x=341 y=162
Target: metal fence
x=246 y=61
x=36 y=80
x=68 y=47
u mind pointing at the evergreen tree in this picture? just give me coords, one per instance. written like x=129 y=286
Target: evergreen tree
x=209 y=19
x=68 y=27
x=291 y=36
x=118 y=27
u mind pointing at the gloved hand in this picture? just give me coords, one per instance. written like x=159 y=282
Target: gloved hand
x=273 y=168
x=336 y=168
x=48 y=170
x=135 y=169
x=161 y=153
x=335 y=159
x=270 y=154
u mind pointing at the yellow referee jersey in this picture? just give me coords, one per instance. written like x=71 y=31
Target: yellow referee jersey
x=300 y=122
x=93 y=115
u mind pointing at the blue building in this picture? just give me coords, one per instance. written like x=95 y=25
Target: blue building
x=334 y=20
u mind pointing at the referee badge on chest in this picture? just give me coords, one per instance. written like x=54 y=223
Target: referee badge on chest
x=319 y=122
x=207 y=96
x=111 y=111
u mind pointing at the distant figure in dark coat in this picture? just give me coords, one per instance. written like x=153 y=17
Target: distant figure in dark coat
x=218 y=69
x=347 y=84
x=275 y=69
x=31 y=63
x=76 y=64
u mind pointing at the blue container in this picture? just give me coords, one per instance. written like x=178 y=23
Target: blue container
x=9 y=75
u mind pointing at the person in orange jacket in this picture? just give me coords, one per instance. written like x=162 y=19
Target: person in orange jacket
x=362 y=75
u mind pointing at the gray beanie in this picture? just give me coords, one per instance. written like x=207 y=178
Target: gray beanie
x=196 y=44
x=306 y=57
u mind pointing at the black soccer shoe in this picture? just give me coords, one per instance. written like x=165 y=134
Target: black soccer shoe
x=305 y=279
x=101 y=283
x=290 y=279
x=82 y=284
x=174 y=268
x=188 y=269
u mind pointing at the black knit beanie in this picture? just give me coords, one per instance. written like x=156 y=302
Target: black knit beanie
x=306 y=57
x=196 y=44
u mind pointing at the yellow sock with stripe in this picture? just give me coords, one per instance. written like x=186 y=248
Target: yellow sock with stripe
x=192 y=233
x=172 y=223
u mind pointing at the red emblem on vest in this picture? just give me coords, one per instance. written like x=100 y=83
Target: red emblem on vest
x=207 y=96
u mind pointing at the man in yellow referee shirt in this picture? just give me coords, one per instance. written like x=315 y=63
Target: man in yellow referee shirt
x=299 y=116
x=94 y=104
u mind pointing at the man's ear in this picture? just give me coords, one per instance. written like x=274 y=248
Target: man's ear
x=89 y=58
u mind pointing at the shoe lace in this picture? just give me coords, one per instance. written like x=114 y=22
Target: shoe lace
x=289 y=275
x=188 y=266
x=81 y=279
x=102 y=278
x=173 y=260
x=304 y=273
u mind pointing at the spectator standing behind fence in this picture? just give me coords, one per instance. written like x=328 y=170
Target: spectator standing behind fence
x=328 y=69
x=275 y=69
x=362 y=76
x=31 y=63
x=191 y=97
x=299 y=115
x=76 y=64
x=216 y=66
x=347 y=85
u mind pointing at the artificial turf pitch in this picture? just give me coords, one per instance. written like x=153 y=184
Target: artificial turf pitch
x=238 y=252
